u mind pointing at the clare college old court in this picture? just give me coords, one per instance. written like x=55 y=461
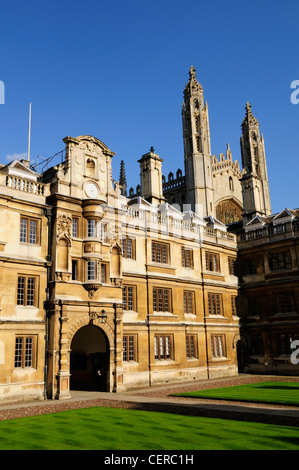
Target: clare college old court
x=104 y=287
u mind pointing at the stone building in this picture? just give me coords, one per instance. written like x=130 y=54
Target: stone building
x=108 y=289
x=269 y=290
x=24 y=264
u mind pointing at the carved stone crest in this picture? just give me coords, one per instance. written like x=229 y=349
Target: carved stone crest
x=64 y=227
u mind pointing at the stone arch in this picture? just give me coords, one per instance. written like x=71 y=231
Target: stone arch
x=89 y=363
x=90 y=167
x=115 y=266
x=179 y=173
x=62 y=258
x=228 y=211
x=84 y=321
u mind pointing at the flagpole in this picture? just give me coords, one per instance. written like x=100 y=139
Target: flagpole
x=29 y=133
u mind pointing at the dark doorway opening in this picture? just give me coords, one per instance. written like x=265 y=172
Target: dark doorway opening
x=89 y=360
x=240 y=356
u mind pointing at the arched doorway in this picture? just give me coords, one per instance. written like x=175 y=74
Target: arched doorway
x=89 y=360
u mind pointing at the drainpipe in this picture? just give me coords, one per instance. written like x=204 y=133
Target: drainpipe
x=147 y=306
x=48 y=214
x=204 y=313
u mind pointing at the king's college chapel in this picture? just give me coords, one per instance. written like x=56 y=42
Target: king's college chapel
x=109 y=288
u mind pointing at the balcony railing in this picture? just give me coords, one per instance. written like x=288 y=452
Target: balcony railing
x=22 y=184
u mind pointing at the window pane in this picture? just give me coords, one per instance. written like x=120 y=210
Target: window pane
x=18 y=352
x=32 y=231
x=74 y=270
x=103 y=232
x=21 y=291
x=185 y=302
x=159 y=253
x=166 y=301
x=75 y=227
x=164 y=254
x=160 y=300
x=23 y=231
x=30 y=291
x=156 y=347
x=103 y=273
x=130 y=298
x=131 y=348
x=129 y=248
x=91 y=270
x=28 y=352
x=155 y=300
x=91 y=228
x=161 y=347
x=167 y=347
x=125 y=348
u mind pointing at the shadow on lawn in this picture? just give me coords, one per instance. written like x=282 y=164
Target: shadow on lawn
x=278 y=387
x=230 y=412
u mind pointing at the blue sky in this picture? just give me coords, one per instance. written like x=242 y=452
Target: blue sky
x=117 y=70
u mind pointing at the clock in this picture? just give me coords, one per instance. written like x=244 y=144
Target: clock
x=91 y=190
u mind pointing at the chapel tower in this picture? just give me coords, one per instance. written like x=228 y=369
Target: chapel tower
x=197 y=149
x=255 y=185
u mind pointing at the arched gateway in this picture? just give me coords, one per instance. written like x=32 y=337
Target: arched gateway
x=89 y=360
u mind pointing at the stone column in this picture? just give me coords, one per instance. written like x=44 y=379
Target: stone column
x=63 y=374
x=118 y=355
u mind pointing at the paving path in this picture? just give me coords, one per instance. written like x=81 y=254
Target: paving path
x=158 y=399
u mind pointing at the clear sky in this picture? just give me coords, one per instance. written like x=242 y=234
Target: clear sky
x=117 y=69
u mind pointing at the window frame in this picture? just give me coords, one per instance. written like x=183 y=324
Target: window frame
x=160 y=252
x=129 y=348
x=28 y=232
x=75 y=227
x=129 y=246
x=212 y=262
x=249 y=267
x=285 y=302
x=163 y=343
x=157 y=299
x=232 y=266
x=75 y=270
x=215 y=300
x=277 y=264
x=187 y=257
x=218 y=346
x=21 y=353
x=191 y=346
x=92 y=232
x=125 y=297
x=26 y=291
x=234 y=305
x=187 y=296
x=98 y=271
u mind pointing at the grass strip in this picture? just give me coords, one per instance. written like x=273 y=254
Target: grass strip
x=121 y=429
x=284 y=393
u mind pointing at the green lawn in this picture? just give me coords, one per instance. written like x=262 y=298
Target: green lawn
x=121 y=429
x=285 y=393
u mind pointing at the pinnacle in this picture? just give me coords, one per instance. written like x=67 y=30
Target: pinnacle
x=122 y=178
x=192 y=72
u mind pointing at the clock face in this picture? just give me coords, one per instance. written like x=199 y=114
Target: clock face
x=91 y=190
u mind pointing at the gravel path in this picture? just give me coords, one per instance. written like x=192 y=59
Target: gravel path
x=191 y=407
